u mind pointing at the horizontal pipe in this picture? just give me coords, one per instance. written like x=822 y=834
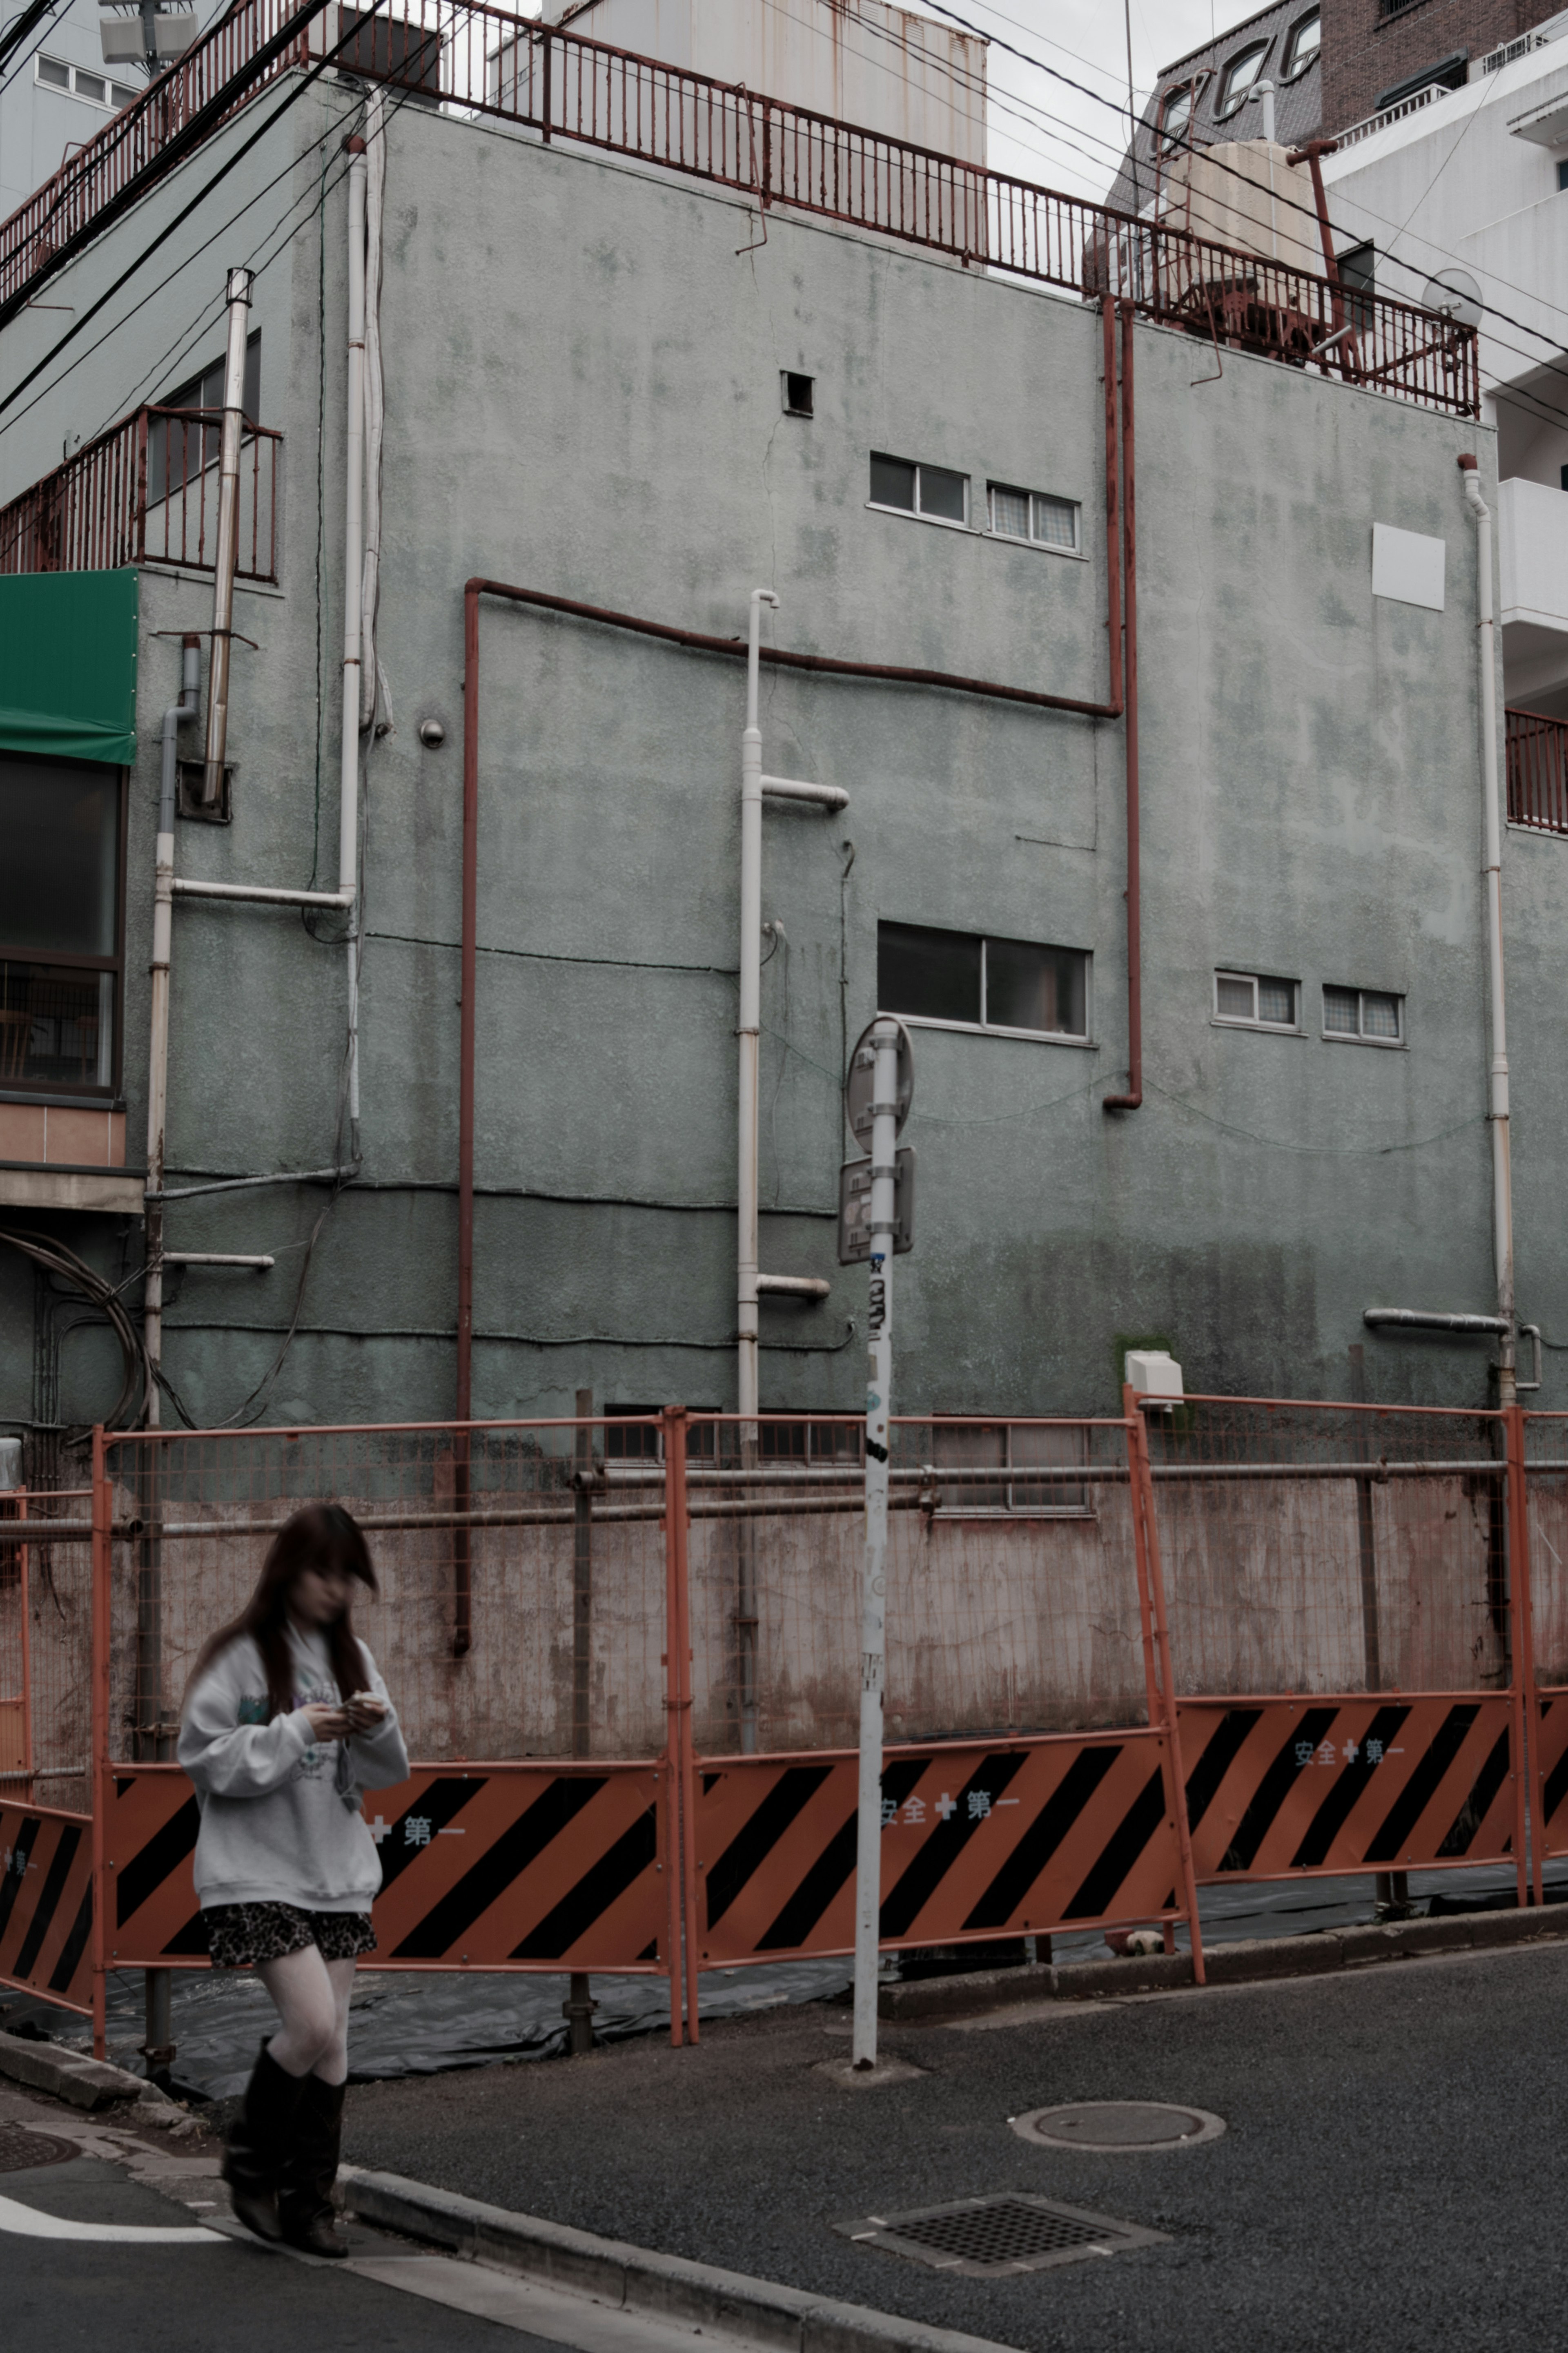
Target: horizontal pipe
x=794 y=1286
x=718 y=1506
x=735 y=648
x=786 y=788
x=248 y=1183
x=1415 y=1319
x=213 y=1258
x=186 y=887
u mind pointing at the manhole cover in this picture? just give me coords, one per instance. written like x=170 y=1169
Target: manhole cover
x=1117 y=2126
x=984 y=2237
x=20 y=2148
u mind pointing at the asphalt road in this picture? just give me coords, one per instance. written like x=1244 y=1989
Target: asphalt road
x=59 y=2295
x=1392 y=2175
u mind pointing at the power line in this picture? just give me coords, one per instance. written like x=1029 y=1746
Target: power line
x=1217 y=224
x=180 y=218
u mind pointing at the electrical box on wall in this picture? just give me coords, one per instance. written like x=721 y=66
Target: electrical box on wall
x=1156 y=1376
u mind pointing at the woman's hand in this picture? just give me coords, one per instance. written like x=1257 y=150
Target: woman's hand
x=327 y=1723
x=365 y=1712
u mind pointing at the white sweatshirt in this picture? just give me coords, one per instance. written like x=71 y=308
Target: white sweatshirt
x=280 y=1811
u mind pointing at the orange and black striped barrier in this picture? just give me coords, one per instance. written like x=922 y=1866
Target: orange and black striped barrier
x=1280 y=1786
x=503 y=1866
x=46 y=1904
x=979 y=1841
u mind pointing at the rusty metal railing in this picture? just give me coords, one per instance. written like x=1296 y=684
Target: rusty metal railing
x=146 y=493
x=471 y=58
x=1537 y=771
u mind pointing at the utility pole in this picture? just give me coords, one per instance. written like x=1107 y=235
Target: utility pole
x=886 y=1039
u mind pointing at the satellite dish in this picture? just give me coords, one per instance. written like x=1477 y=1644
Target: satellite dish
x=1455 y=294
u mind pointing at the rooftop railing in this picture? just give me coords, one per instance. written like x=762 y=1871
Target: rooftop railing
x=1537 y=772
x=146 y=493
x=473 y=59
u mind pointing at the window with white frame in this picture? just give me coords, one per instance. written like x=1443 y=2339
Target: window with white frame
x=627 y=1436
x=910 y=488
x=79 y=81
x=1255 y=1000
x=963 y=980
x=1008 y=1469
x=1303 y=45
x=827 y=1444
x=1372 y=1016
x=1237 y=82
x=1036 y=515
x=1177 y=113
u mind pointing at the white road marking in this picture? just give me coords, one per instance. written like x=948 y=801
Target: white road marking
x=28 y=2222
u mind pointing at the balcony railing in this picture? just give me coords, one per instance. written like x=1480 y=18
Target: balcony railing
x=1537 y=772
x=146 y=493
x=473 y=60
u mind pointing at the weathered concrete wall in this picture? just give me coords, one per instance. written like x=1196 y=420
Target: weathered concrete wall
x=583 y=397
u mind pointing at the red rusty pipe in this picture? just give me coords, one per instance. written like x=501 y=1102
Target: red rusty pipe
x=1133 y=1100
x=1112 y=550
x=466 y=1045
x=736 y=648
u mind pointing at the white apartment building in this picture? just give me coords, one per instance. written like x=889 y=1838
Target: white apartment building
x=1475 y=181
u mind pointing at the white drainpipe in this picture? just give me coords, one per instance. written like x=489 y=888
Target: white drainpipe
x=1498 y=1106
x=1266 y=92
x=749 y=1028
x=226 y=554
x=753 y=786
x=175 y=718
x=353 y=586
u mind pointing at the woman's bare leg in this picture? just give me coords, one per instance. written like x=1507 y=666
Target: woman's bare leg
x=333 y=2066
x=305 y=2002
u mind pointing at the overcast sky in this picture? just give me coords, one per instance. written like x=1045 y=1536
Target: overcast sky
x=1043 y=129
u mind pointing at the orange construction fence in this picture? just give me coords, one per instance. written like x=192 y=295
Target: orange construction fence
x=1240 y=1640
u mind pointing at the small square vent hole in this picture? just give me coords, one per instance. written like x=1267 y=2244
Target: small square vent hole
x=986 y=2237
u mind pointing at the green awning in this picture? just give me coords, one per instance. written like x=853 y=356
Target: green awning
x=68 y=664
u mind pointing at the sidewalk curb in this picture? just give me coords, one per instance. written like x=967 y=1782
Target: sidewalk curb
x=1248 y=1962
x=85 y=2083
x=636 y=2279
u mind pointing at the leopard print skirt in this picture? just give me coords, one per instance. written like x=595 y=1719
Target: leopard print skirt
x=242 y=1936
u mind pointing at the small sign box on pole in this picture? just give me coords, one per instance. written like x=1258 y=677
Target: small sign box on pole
x=855 y=1207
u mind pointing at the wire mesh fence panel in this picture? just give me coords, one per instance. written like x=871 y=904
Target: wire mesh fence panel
x=1012 y=1601
x=45 y=1653
x=1546 y=1493
x=519 y=1613
x=1326 y=1548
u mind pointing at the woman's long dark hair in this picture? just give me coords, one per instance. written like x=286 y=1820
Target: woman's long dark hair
x=320 y=1537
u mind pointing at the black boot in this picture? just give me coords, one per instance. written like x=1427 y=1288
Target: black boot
x=305 y=2197
x=258 y=2142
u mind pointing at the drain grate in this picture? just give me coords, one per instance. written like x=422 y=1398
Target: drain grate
x=20 y=2148
x=984 y=2237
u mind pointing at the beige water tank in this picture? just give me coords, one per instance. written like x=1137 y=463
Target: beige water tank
x=1245 y=195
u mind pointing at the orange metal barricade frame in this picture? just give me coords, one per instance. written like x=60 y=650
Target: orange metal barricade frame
x=1480 y=1773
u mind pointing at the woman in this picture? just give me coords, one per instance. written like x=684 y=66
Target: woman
x=285 y=1721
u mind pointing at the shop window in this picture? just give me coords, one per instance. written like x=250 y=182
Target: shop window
x=62 y=946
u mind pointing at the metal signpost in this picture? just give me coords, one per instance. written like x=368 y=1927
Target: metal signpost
x=876 y=1094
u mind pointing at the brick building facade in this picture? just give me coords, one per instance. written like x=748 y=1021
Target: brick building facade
x=1373 y=46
